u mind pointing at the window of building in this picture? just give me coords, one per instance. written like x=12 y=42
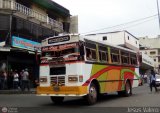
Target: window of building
x=128 y=37
x=158 y=51
x=104 y=37
x=152 y=52
x=115 y=55
x=30 y=30
x=136 y=42
x=155 y=60
x=158 y=59
x=4 y=22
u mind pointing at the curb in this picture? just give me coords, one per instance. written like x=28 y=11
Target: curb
x=17 y=92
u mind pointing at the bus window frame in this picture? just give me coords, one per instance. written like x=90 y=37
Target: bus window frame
x=133 y=57
x=126 y=56
x=90 y=57
x=115 y=54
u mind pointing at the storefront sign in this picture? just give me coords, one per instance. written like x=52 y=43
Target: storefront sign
x=25 y=44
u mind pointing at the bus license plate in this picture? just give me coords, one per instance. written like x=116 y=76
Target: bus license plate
x=56 y=88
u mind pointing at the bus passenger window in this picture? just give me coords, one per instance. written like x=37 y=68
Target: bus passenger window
x=88 y=53
x=125 y=57
x=115 y=55
x=93 y=54
x=133 y=59
x=103 y=56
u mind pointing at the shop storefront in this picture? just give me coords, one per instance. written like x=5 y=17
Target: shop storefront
x=23 y=54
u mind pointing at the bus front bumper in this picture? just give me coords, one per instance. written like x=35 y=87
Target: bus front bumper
x=62 y=91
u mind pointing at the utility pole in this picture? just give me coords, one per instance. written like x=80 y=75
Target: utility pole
x=158 y=13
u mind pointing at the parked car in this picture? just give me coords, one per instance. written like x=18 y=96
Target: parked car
x=158 y=80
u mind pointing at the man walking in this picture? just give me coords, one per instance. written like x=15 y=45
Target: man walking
x=153 y=81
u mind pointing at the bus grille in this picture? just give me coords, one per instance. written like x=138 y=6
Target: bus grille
x=59 y=80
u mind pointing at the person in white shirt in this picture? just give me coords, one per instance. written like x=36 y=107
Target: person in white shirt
x=15 y=80
x=25 y=80
x=153 y=81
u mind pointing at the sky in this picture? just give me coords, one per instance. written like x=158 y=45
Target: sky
x=99 y=16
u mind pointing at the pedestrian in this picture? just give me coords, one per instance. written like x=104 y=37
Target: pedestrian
x=153 y=81
x=145 y=78
x=25 y=80
x=3 y=80
x=15 y=79
x=20 y=78
x=10 y=79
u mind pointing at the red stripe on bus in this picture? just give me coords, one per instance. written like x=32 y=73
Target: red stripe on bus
x=99 y=73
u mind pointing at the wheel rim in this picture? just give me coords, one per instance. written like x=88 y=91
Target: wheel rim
x=128 y=89
x=93 y=92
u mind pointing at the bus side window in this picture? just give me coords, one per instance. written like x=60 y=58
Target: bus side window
x=115 y=55
x=125 y=57
x=103 y=53
x=93 y=54
x=88 y=53
x=133 y=59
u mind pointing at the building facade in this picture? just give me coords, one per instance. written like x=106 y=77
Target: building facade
x=151 y=47
x=23 y=24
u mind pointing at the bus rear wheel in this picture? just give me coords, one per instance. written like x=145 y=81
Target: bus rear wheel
x=57 y=100
x=91 y=97
x=128 y=90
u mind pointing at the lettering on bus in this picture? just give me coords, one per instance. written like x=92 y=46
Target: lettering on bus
x=59 y=48
x=58 y=39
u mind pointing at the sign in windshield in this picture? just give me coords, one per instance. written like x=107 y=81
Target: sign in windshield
x=58 y=39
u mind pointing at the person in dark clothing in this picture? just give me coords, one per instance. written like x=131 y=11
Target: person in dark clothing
x=153 y=81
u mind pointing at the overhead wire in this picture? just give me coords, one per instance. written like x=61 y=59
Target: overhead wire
x=119 y=25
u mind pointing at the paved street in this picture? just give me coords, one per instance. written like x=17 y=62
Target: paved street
x=141 y=98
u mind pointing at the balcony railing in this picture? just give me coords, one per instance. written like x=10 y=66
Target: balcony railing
x=14 y=6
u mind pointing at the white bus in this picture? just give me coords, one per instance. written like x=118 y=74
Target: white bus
x=74 y=66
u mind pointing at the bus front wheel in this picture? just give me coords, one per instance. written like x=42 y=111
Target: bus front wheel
x=91 y=97
x=57 y=100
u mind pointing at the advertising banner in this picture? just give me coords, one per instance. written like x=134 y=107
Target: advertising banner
x=25 y=44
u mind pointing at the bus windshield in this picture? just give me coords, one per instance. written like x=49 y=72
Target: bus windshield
x=67 y=51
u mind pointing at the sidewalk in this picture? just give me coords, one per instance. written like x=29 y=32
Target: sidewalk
x=18 y=91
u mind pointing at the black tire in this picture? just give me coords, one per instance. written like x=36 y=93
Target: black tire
x=91 y=98
x=57 y=100
x=128 y=90
x=120 y=93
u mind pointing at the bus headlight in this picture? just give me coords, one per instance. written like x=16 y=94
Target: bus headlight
x=43 y=79
x=73 y=78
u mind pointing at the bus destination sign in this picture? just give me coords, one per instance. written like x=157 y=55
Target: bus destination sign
x=58 y=39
